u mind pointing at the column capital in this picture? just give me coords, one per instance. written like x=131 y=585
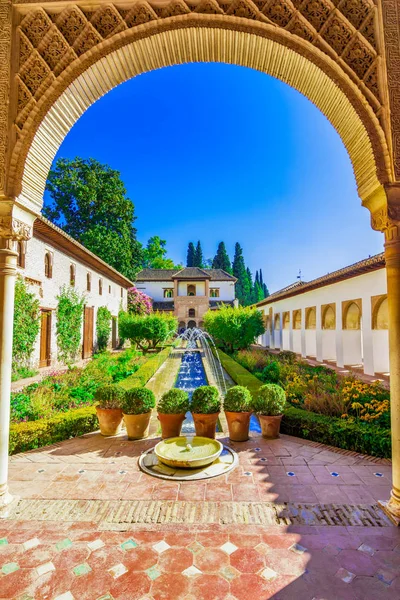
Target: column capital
x=16 y=224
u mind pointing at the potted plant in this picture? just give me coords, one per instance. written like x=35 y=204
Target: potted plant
x=172 y=409
x=136 y=408
x=237 y=406
x=205 y=407
x=108 y=408
x=268 y=404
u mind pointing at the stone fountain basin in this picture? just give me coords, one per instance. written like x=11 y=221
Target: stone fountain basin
x=188 y=452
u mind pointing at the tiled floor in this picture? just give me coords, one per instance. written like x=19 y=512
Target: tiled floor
x=84 y=560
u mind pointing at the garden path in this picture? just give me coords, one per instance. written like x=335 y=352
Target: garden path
x=295 y=520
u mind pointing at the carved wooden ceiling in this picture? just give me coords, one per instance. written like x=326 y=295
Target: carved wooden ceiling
x=52 y=37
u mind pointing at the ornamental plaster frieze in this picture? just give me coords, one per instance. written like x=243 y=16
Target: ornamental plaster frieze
x=13 y=229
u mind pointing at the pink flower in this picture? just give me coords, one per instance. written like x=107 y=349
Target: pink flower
x=139 y=303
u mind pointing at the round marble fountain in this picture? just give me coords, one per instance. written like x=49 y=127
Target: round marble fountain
x=188 y=458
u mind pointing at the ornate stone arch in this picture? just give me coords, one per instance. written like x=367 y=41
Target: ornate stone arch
x=351 y=314
x=328 y=316
x=311 y=317
x=296 y=319
x=380 y=316
x=66 y=58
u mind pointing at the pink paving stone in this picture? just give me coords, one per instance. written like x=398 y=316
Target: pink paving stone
x=192 y=492
x=130 y=586
x=246 y=493
x=36 y=556
x=247 y=560
x=51 y=584
x=358 y=562
x=105 y=558
x=211 y=560
x=220 y=493
x=179 y=538
x=15 y=583
x=170 y=586
x=139 y=559
x=251 y=587
x=92 y=585
x=138 y=491
x=165 y=492
x=370 y=587
x=245 y=541
x=175 y=560
x=76 y=555
x=211 y=538
x=209 y=587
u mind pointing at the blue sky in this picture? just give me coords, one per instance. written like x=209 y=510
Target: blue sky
x=220 y=152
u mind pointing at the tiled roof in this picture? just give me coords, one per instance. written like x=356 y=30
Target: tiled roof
x=372 y=263
x=184 y=273
x=217 y=303
x=50 y=233
x=167 y=305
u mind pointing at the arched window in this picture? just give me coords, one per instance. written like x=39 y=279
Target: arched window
x=192 y=312
x=328 y=318
x=122 y=292
x=191 y=290
x=381 y=317
x=109 y=289
x=311 y=318
x=21 y=254
x=72 y=275
x=277 y=323
x=286 y=320
x=48 y=265
x=100 y=287
x=297 y=319
x=192 y=324
x=168 y=293
x=352 y=318
x=88 y=281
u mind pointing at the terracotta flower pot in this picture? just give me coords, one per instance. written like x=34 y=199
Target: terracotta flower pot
x=238 y=425
x=137 y=426
x=110 y=420
x=270 y=426
x=171 y=425
x=205 y=425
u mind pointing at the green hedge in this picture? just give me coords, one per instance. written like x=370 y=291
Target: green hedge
x=146 y=371
x=35 y=434
x=361 y=437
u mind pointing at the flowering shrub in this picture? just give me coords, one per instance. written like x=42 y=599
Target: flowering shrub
x=138 y=302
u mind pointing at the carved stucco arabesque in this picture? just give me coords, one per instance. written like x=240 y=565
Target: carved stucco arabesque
x=50 y=38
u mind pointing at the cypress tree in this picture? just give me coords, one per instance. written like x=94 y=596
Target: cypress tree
x=265 y=290
x=190 y=255
x=250 y=299
x=198 y=256
x=221 y=259
x=239 y=271
x=261 y=279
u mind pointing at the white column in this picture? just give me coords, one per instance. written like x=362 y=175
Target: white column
x=367 y=336
x=303 y=333
x=318 y=333
x=339 y=336
x=281 y=331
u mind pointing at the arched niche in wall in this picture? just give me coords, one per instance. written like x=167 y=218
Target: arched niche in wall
x=297 y=319
x=277 y=322
x=351 y=311
x=286 y=320
x=328 y=316
x=311 y=318
x=380 y=312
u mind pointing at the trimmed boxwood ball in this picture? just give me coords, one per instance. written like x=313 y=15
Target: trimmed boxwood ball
x=238 y=399
x=174 y=402
x=270 y=400
x=205 y=400
x=109 y=396
x=137 y=401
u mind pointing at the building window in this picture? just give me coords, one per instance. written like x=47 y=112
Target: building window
x=88 y=282
x=21 y=248
x=168 y=293
x=122 y=292
x=192 y=312
x=72 y=275
x=48 y=265
x=214 y=292
x=100 y=287
x=191 y=290
x=109 y=289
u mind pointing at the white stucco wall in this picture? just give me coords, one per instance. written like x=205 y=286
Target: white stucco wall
x=47 y=289
x=155 y=289
x=347 y=347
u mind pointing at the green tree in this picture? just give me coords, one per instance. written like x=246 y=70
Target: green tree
x=69 y=316
x=221 y=259
x=263 y=285
x=250 y=298
x=103 y=327
x=234 y=328
x=88 y=200
x=26 y=324
x=198 y=256
x=190 y=255
x=239 y=271
x=154 y=255
x=258 y=289
x=147 y=331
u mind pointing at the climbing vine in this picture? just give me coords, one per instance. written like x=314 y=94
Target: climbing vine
x=26 y=324
x=69 y=323
x=103 y=328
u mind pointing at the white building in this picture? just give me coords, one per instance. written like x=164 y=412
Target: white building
x=188 y=292
x=341 y=317
x=52 y=259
